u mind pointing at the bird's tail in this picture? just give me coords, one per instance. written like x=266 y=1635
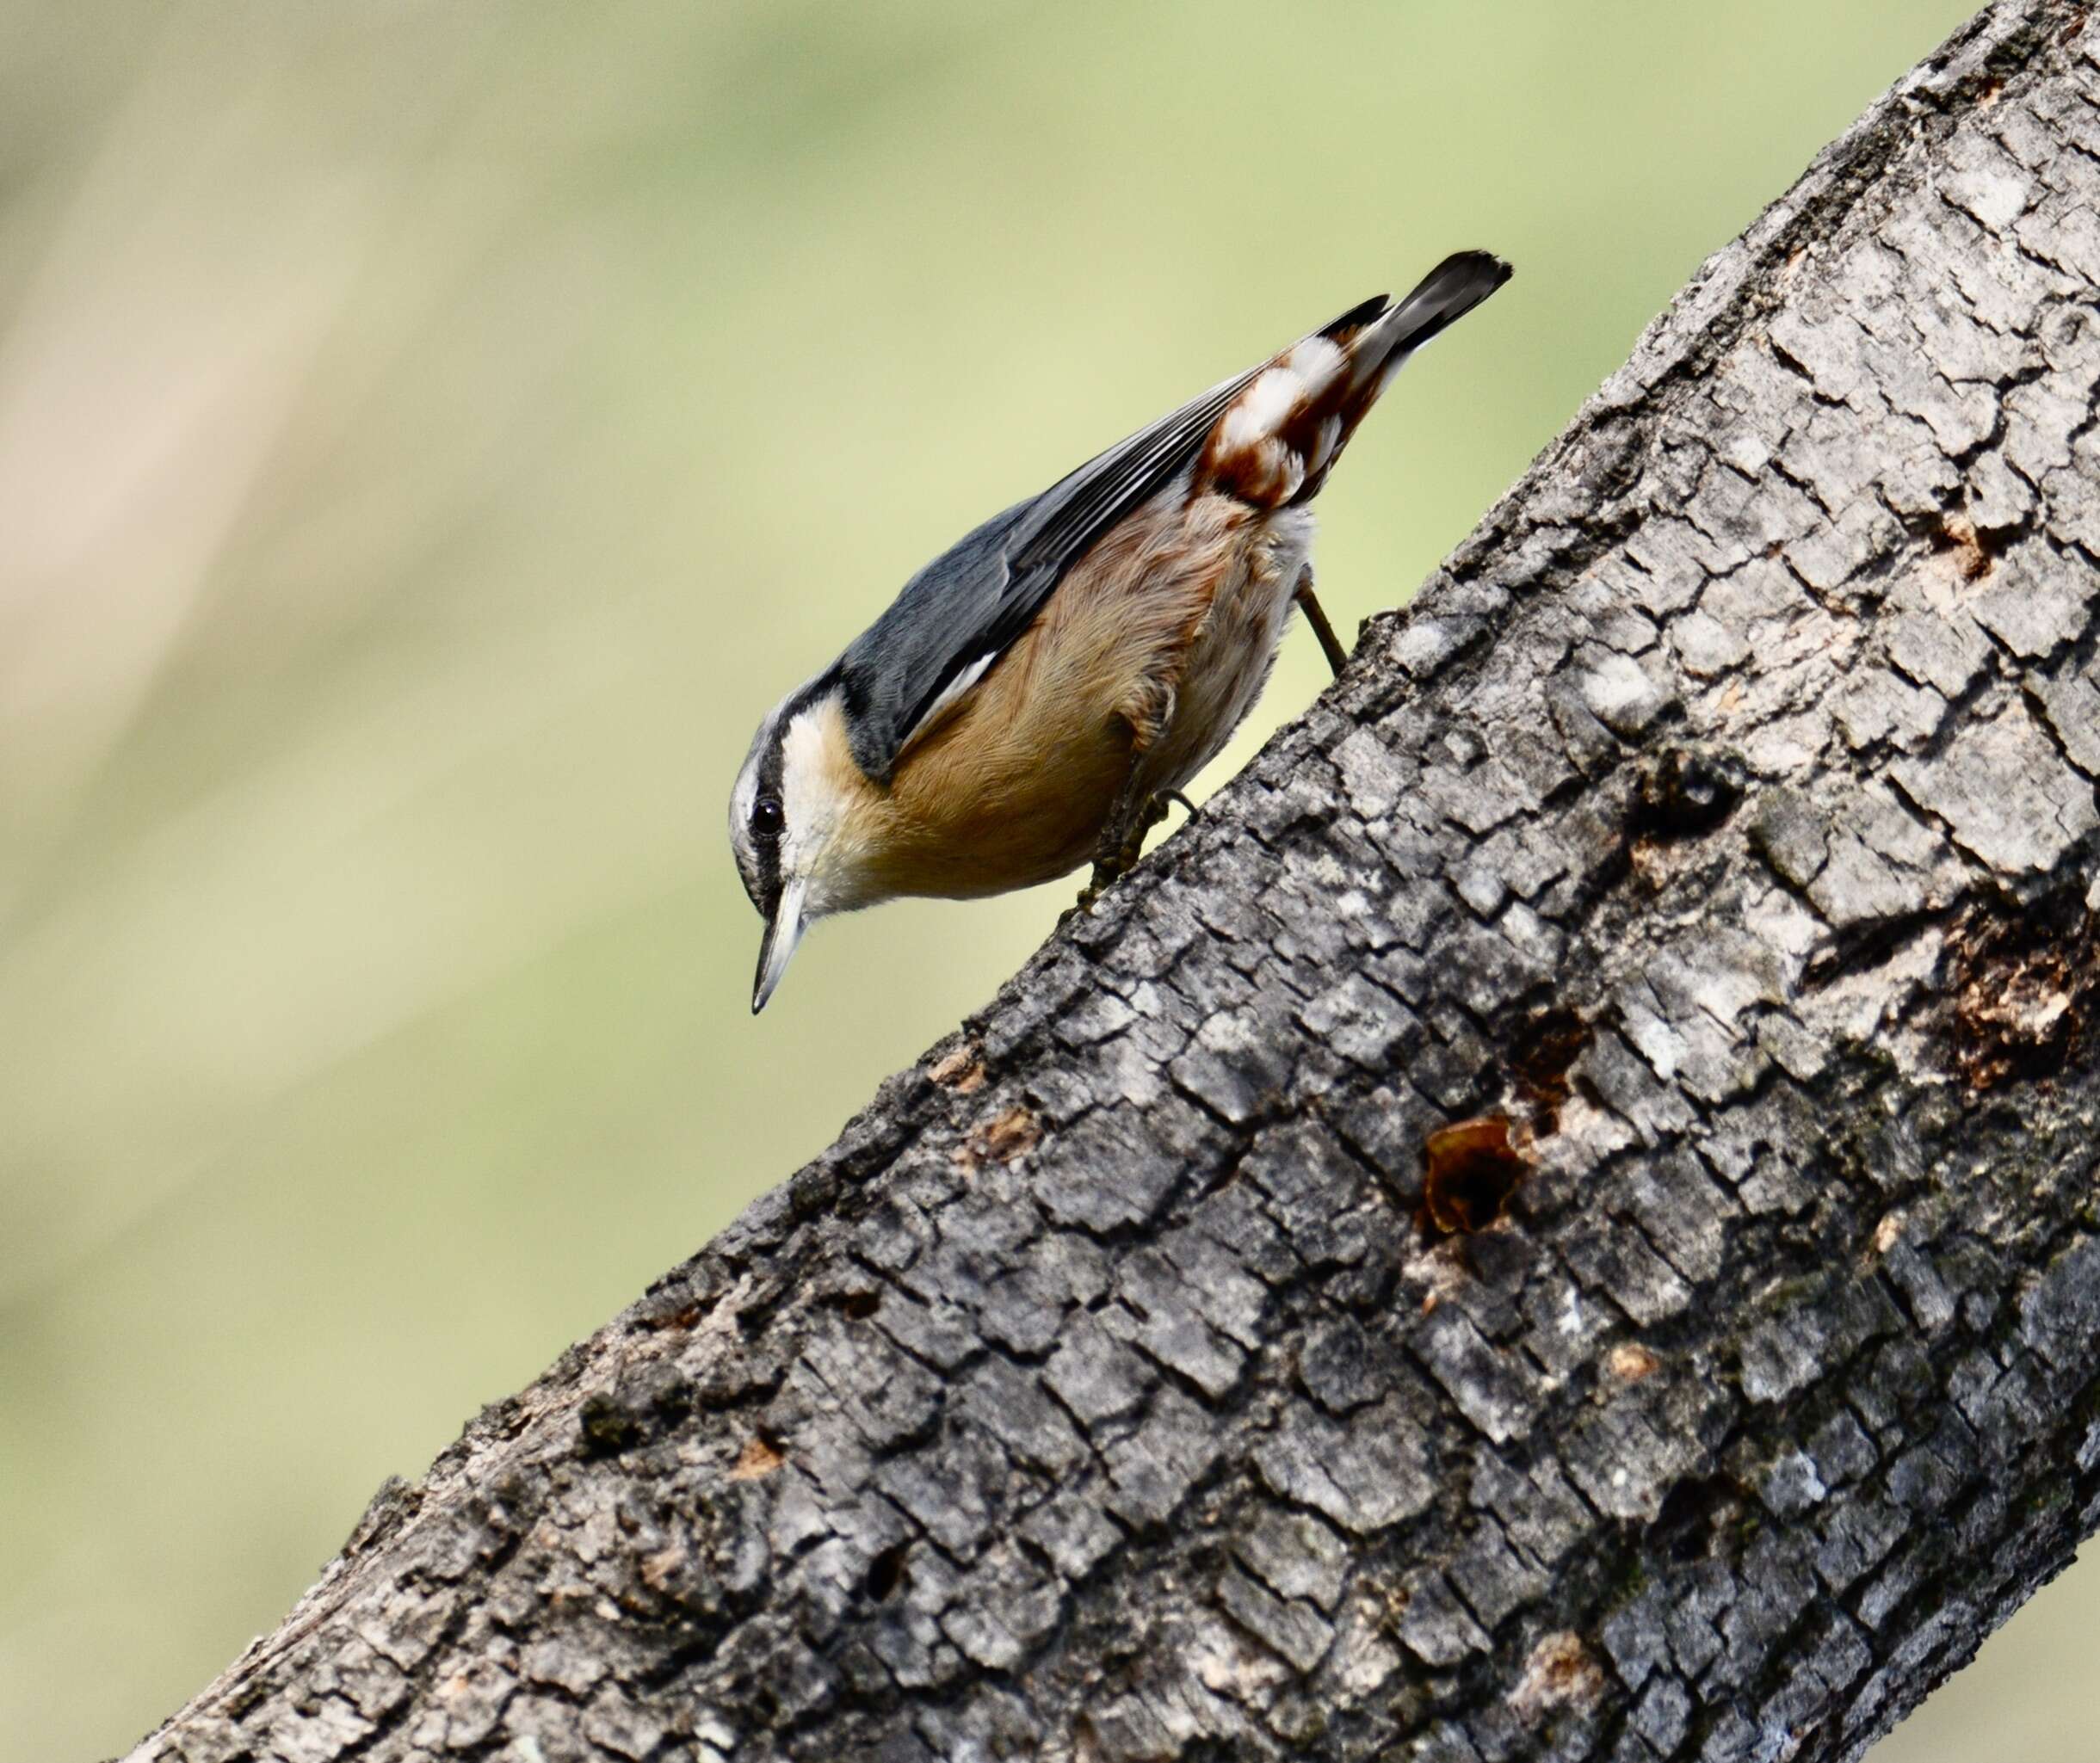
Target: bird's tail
x=1275 y=443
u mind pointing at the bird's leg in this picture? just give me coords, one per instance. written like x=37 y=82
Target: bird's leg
x=1136 y=809
x=1330 y=645
x=1142 y=823
x=1123 y=837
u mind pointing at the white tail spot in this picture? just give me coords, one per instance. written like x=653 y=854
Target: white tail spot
x=1315 y=361
x=1261 y=406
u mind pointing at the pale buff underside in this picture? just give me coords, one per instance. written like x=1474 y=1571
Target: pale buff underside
x=1149 y=653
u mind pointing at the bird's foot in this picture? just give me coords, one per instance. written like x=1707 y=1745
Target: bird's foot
x=1155 y=811
x=1117 y=856
x=1109 y=868
x=1118 y=859
x=1088 y=895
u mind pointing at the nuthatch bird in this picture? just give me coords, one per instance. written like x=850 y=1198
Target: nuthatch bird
x=1032 y=696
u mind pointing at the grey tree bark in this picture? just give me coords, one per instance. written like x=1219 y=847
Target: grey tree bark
x=1163 y=1370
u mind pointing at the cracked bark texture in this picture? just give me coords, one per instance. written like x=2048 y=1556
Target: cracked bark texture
x=1722 y=817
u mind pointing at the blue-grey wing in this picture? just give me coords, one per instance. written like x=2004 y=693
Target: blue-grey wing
x=960 y=613
x=965 y=609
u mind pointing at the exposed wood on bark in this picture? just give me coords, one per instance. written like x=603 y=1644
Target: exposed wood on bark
x=1132 y=1381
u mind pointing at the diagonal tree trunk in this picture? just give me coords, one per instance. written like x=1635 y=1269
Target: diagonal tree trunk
x=1155 y=1372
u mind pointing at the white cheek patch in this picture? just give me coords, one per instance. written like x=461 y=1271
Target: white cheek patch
x=817 y=780
x=805 y=791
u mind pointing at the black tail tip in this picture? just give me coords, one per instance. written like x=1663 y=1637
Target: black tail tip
x=1481 y=269
x=1446 y=295
x=1453 y=288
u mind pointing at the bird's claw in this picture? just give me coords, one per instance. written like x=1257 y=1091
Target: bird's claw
x=1108 y=870
x=1116 y=862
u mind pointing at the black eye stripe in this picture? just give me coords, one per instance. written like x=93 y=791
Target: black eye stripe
x=767 y=818
x=769 y=782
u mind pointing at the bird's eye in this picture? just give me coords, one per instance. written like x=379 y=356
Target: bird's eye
x=767 y=818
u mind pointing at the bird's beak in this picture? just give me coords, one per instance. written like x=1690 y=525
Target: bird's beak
x=783 y=931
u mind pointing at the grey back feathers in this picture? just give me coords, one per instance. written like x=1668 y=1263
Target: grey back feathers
x=968 y=605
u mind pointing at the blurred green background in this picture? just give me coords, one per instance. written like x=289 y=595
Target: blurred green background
x=431 y=435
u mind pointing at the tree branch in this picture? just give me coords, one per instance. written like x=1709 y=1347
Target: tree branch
x=1154 y=1373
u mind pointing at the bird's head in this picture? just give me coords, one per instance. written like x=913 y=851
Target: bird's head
x=795 y=825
